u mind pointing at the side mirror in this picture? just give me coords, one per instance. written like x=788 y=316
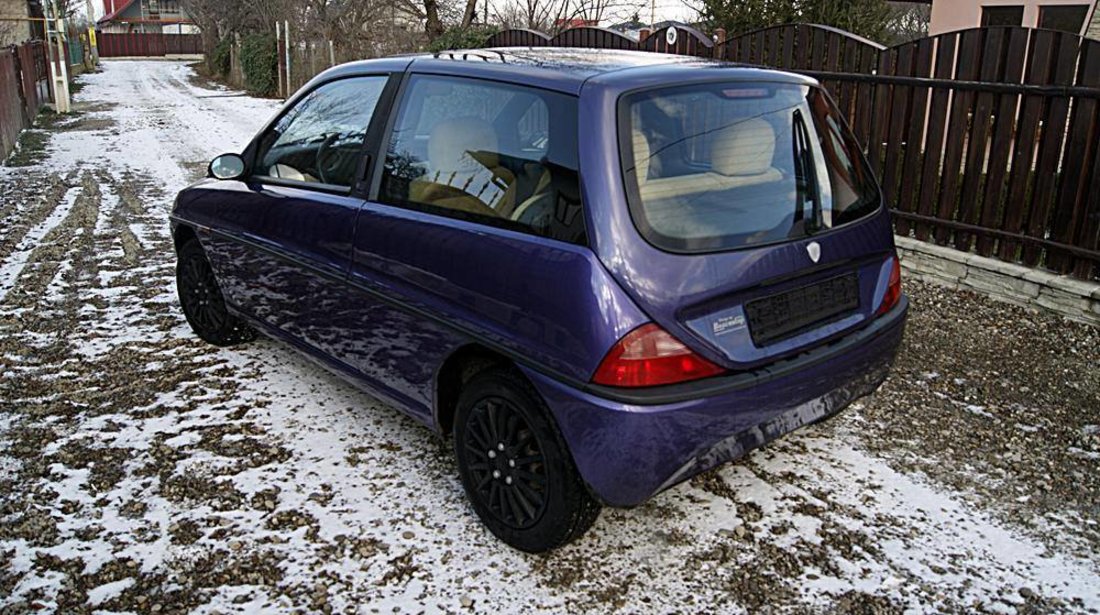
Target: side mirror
x=227 y=166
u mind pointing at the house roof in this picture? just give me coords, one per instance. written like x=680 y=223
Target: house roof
x=121 y=8
x=118 y=11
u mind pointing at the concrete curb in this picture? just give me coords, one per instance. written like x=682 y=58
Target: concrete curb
x=1031 y=288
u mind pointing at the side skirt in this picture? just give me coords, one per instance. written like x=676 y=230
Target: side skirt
x=346 y=372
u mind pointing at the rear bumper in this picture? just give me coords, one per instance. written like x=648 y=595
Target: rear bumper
x=632 y=448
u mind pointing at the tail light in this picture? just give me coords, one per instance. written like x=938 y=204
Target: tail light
x=649 y=356
x=893 y=289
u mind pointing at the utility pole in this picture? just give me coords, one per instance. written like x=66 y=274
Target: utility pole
x=91 y=34
x=60 y=70
x=653 y=14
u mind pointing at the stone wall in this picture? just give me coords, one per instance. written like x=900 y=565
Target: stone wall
x=1032 y=288
x=14 y=32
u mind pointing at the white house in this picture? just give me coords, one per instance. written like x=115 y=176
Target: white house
x=1079 y=16
x=145 y=16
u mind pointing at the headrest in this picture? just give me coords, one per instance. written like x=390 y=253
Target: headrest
x=744 y=148
x=452 y=139
x=641 y=156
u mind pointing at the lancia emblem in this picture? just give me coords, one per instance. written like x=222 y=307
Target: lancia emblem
x=670 y=36
x=814 y=250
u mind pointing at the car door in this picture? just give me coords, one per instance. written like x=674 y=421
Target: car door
x=290 y=227
x=474 y=227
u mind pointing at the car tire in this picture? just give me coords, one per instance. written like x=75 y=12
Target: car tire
x=202 y=300
x=516 y=468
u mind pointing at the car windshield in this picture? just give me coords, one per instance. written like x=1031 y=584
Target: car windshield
x=732 y=165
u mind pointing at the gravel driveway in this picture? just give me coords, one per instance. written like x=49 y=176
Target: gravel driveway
x=141 y=470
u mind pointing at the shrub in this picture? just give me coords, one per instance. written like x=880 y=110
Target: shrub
x=220 y=58
x=260 y=64
x=463 y=38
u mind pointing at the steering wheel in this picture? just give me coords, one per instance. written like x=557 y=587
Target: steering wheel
x=328 y=160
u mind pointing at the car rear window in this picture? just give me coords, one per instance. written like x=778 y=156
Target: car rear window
x=724 y=166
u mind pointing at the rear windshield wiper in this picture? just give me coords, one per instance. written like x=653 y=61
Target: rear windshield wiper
x=805 y=175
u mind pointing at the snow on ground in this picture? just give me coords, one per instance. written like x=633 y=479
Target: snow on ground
x=141 y=470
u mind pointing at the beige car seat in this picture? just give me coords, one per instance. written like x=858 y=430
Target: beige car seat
x=283 y=171
x=463 y=169
x=538 y=195
x=741 y=155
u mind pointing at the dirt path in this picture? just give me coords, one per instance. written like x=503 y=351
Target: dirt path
x=142 y=470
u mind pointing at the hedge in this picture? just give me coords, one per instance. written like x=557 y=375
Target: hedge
x=220 y=59
x=459 y=38
x=260 y=64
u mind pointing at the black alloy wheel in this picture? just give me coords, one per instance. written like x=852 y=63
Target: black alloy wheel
x=506 y=463
x=515 y=466
x=202 y=300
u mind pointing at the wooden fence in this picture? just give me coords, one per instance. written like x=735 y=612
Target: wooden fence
x=986 y=140
x=148 y=45
x=24 y=88
x=295 y=66
x=307 y=60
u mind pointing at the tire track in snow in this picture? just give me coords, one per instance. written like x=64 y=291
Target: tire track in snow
x=206 y=122
x=66 y=239
x=27 y=230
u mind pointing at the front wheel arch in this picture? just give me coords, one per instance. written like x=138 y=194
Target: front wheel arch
x=202 y=301
x=182 y=235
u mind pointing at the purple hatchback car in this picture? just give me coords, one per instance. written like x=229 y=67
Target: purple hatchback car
x=598 y=273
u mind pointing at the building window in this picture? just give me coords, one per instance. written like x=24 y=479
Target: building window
x=1003 y=15
x=169 y=8
x=1067 y=18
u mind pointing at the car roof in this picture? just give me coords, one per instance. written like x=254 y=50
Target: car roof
x=568 y=69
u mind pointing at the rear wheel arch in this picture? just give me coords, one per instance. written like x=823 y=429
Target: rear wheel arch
x=458 y=369
x=507 y=480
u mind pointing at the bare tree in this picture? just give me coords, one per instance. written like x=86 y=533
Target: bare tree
x=542 y=15
x=552 y=16
x=908 y=21
x=599 y=11
x=356 y=28
x=469 y=14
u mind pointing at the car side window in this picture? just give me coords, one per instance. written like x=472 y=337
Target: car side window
x=320 y=139
x=494 y=153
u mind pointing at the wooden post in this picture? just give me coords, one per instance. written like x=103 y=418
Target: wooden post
x=286 y=36
x=312 y=60
x=239 y=72
x=642 y=35
x=279 y=57
x=720 y=44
